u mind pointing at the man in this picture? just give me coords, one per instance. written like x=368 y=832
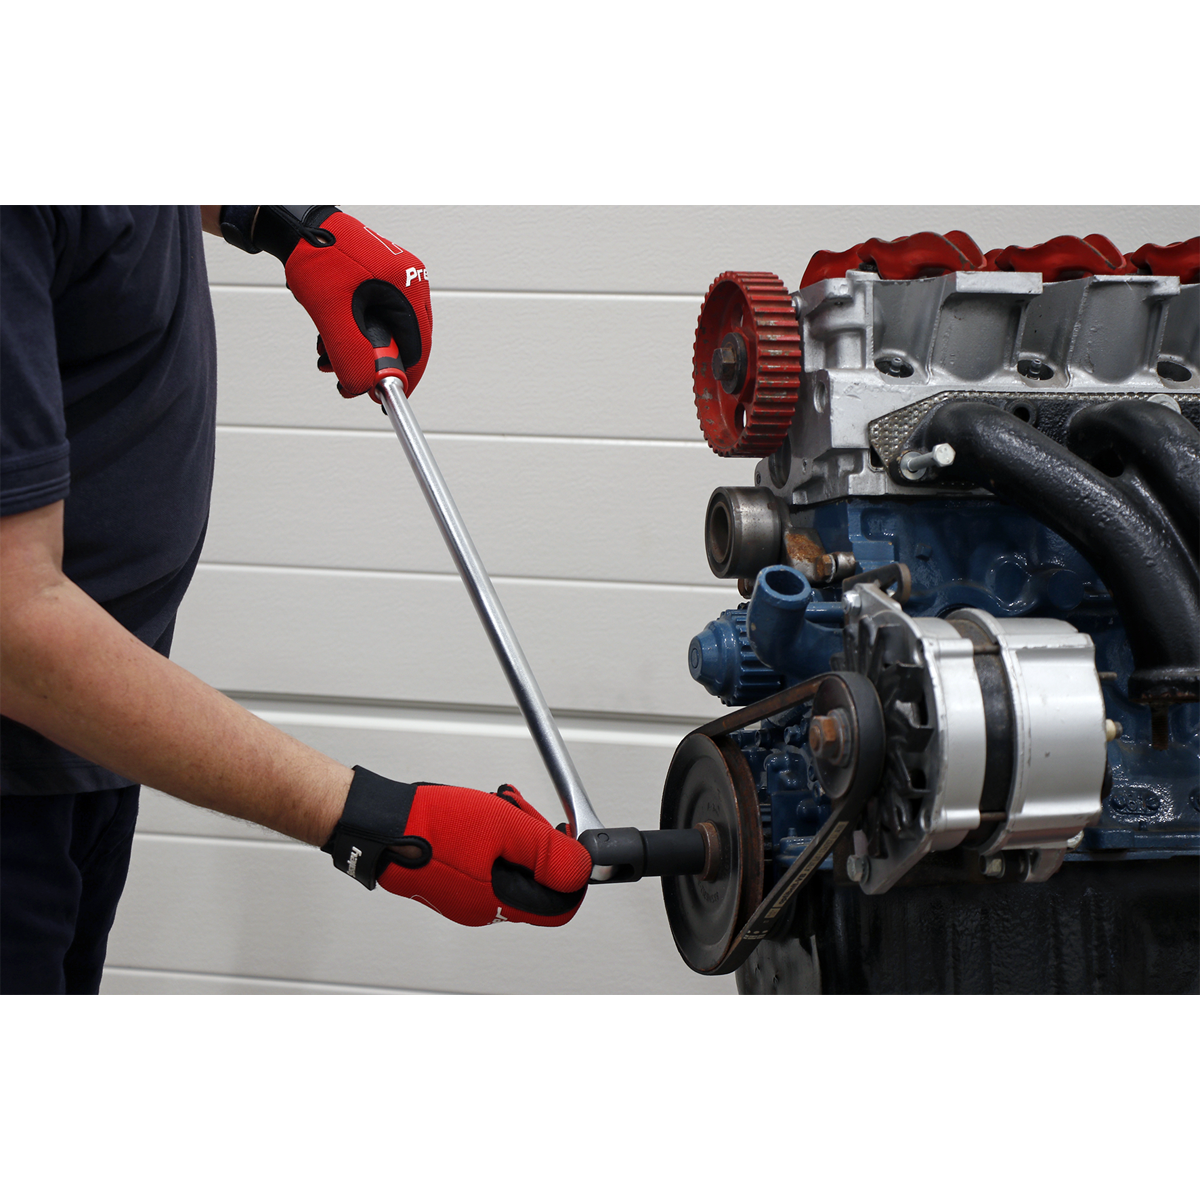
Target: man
x=107 y=412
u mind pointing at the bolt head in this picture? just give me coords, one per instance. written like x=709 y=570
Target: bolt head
x=1034 y=368
x=993 y=866
x=829 y=737
x=724 y=363
x=730 y=363
x=893 y=365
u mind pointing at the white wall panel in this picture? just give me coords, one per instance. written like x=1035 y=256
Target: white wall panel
x=535 y=507
x=221 y=907
x=593 y=647
x=591 y=366
x=680 y=249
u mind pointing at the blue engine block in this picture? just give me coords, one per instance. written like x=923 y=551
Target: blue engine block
x=961 y=553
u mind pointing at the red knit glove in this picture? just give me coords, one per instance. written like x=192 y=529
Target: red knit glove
x=368 y=298
x=475 y=857
x=492 y=857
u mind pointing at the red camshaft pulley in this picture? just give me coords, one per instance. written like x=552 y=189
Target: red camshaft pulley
x=746 y=364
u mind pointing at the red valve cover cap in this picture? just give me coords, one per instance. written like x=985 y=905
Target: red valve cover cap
x=1064 y=257
x=913 y=257
x=1178 y=258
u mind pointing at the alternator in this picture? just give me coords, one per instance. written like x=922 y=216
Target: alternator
x=995 y=735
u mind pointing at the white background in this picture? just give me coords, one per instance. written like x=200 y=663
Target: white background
x=1028 y=104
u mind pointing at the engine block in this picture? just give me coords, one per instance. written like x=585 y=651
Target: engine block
x=977 y=484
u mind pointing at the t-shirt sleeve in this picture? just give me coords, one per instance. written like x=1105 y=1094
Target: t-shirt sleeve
x=35 y=467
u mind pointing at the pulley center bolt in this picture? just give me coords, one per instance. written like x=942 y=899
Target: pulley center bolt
x=729 y=363
x=829 y=737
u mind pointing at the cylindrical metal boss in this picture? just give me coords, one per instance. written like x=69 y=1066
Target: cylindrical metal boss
x=743 y=532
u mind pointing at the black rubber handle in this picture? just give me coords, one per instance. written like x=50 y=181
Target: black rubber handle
x=633 y=853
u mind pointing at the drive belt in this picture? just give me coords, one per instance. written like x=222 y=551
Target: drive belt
x=844 y=814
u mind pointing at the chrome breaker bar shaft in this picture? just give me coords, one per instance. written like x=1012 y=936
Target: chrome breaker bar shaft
x=580 y=815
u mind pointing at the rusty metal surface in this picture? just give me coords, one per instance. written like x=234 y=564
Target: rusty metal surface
x=803 y=550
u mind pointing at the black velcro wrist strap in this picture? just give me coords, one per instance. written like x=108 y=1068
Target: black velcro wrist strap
x=237 y=225
x=374 y=817
x=279 y=227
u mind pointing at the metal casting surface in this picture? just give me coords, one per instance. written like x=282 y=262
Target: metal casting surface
x=720 y=658
x=542 y=727
x=1051 y=412
x=1095 y=928
x=872 y=346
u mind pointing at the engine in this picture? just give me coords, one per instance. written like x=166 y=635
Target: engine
x=965 y=747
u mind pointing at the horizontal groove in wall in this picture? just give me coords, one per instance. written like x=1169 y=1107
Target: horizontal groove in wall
x=537 y=439
x=493 y=729
x=223 y=842
x=500 y=294
x=566 y=718
x=250 y=980
x=721 y=593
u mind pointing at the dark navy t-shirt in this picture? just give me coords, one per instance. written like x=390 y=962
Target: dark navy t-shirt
x=107 y=400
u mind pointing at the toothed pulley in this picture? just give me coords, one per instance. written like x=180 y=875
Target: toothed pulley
x=746 y=364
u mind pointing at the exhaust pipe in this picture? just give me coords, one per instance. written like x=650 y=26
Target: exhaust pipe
x=1151 y=578
x=1161 y=445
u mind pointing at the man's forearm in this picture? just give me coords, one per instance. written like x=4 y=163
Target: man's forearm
x=74 y=674
x=210 y=218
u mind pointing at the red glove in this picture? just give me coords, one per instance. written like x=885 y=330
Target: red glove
x=477 y=858
x=368 y=298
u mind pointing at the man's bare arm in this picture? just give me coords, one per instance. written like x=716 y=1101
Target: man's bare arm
x=210 y=219
x=74 y=674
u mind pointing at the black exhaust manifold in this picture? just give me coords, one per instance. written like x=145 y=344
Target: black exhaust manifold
x=1143 y=562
